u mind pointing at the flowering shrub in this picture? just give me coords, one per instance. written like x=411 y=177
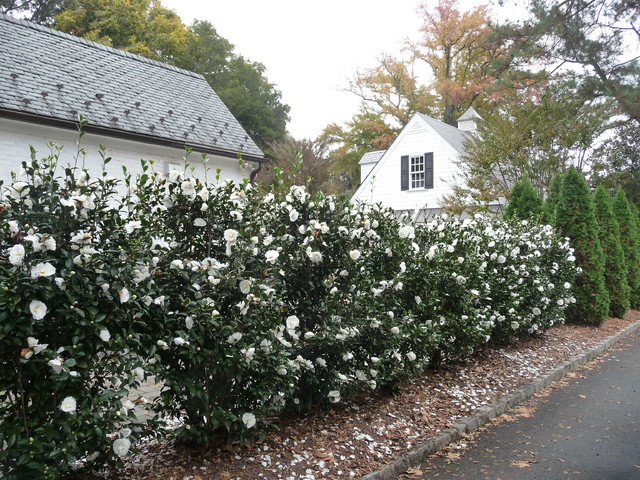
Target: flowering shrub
x=68 y=335
x=242 y=305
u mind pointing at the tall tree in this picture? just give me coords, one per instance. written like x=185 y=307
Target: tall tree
x=39 y=11
x=551 y=200
x=599 y=37
x=298 y=162
x=366 y=132
x=615 y=268
x=143 y=27
x=617 y=161
x=629 y=241
x=538 y=132
x=468 y=65
x=524 y=202
x=575 y=218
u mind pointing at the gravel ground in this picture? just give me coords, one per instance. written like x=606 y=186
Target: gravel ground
x=364 y=434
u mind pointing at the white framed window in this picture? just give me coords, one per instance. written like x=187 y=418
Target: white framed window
x=417 y=171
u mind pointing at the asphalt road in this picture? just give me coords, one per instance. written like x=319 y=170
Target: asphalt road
x=585 y=427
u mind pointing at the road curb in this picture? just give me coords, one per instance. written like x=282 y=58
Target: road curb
x=484 y=414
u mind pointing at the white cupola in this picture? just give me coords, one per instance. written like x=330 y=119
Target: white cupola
x=467 y=121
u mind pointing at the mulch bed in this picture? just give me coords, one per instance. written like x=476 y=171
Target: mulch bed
x=364 y=434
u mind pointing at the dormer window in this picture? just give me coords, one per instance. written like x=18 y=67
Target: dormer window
x=416 y=171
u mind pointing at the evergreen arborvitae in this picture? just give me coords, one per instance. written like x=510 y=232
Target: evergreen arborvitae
x=629 y=241
x=576 y=219
x=551 y=202
x=615 y=268
x=524 y=202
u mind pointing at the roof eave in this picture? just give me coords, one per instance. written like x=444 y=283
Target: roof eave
x=116 y=133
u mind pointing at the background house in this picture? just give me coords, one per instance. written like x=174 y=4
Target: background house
x=419 y=167
x=137 y=108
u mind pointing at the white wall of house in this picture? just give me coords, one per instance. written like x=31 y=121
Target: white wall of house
x=17 y=136
x=383 y=183
x=365 y=169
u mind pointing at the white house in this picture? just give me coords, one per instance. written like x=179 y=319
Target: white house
x=419 y=167
x=137 y=108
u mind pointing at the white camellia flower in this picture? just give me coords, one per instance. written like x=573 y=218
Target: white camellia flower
x=245 y=286
x=406 y=231
x=293 y=322
x=231 y=235
x=282 y=371
x=271 y=256
x=515 y=325
x=321 y=362
x=129 y=227
x=188 y=322
x=249 y=419
x=354 y=254
x=567 y=285
x=121 y=446
x=395 y=330
x=43 y=270
x=162 y=344
x=105 y=336
x=200 y=222
x=13 y=227
x=55 y=364
x=501 y=259
x=234 y=338
x=293 y=215
x=16 y=255
x=38 y=309
x=68 y=405
x=50 y=243
x=536 y=311
x=315 y=257
x=411 y=356
x=179 y=341
x=124 y=295
x=334 y=396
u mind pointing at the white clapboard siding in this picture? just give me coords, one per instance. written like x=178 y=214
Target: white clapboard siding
x=16 y=137
x=382 y=183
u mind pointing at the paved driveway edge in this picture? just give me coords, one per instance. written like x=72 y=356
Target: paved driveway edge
x=484 y=414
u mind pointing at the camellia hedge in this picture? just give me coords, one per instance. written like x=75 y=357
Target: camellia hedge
x=244 y=305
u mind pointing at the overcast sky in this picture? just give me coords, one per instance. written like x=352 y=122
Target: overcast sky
x=311 y=49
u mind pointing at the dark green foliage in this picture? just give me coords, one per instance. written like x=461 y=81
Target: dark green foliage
x=551 y=201
x=617 y=161
x=615 y=271
x=524 y=202
x=629 y=241
x=39 y=11
x=575 y=218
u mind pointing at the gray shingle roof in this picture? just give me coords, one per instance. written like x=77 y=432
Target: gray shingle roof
x=452 y=135
x=371 y=157
x=55 y=76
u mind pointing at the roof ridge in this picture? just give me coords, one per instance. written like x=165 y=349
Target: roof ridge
x=89 y=43
x=439 y=121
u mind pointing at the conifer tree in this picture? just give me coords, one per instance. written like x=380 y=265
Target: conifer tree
x=629 y=242
x=615 y=269
x=524 y=203
x=551 y=202
x=575 y=218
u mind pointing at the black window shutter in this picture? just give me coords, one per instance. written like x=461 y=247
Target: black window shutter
x=428 y=170
x=404 y=172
